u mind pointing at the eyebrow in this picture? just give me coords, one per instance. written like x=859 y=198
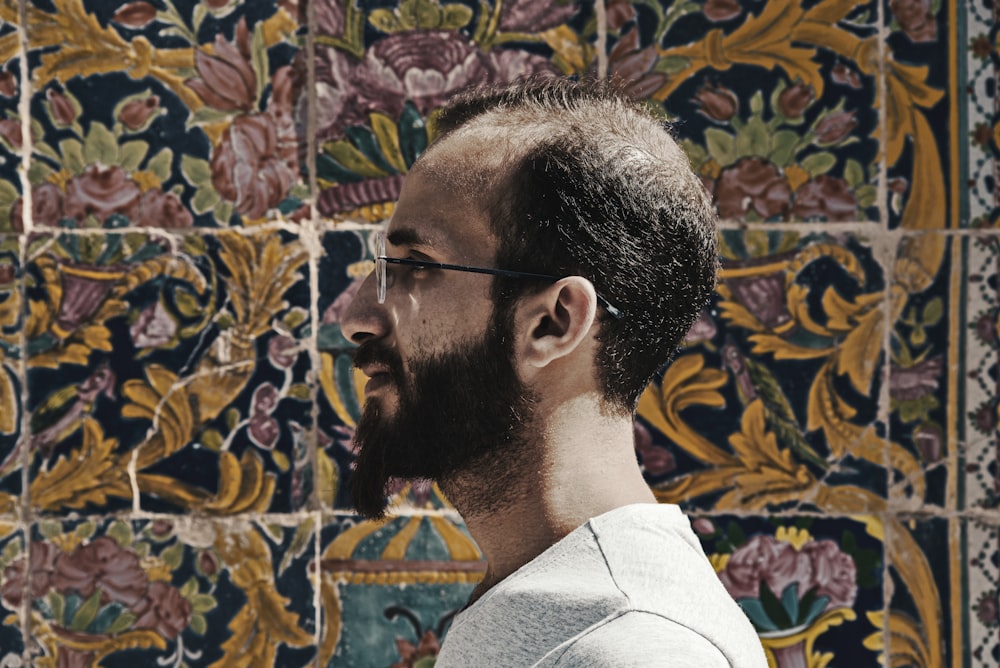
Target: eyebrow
x=407 y=236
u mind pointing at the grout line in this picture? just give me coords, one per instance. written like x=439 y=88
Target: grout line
x=601 y=43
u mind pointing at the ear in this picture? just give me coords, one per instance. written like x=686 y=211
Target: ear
x=555 y=322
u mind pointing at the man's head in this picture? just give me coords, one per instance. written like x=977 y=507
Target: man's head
x=557 y=178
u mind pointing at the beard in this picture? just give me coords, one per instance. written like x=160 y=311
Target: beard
x=464 y=409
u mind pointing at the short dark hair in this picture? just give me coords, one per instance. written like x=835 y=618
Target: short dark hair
x=596 y=186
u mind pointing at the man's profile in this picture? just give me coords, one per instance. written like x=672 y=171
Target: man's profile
x=546 y=256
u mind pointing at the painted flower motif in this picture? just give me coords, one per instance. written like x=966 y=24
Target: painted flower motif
x=703 y=329
x=423 y=66
x=41 y=565
x=628 y=63
x=46 y=206
x=252 y=167
x=916 y=381
x=794 y=100
x=135 y=113
x=763 y=558
x=835 y=127
x=981 y=47
x=846 y=76
x=721 y=10
x=11 y=132
x=985 y=418
x=752 y=184
x=988 y=608
x=64 y=113
x=410 y=654
x=154 y=327
x=82 y=296
x=929 y=441
x=101 y=564
x=534 y=15
x=281 y=351
x=717 y=103
x=916 y=19
x=162 y=609
x=163 y=210
x=703 y=526
x=619 y=12
x=834 y=573
x=100 y=192
x=226 y=80
x=265 y=399
x=8 y=84
x=825 y=198
x=656 y=460
x=135 y=14
x=264 y=431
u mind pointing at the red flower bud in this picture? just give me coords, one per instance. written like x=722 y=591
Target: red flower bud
x=793 y=100
x=63 y=111
x=717 y=102
x=8 y=84
x=135 y=14
x=721 y=10
x=135 y=113
x=835 y=127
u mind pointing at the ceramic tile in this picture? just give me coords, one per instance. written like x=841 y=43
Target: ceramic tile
x=181 y=356
x=822 y=578
x=346 y=261
x=391 y=590
x=924 y=610
x=172 y=118
x=11 y=593
x=172 y=590
x=923 y=437
x=980 y=484
x=979 y=104
x=919 y=127
x=779 y=120
x=11 y=128
x=382 y=68
x=773 y=400
x=979 y=557
x=11 y=373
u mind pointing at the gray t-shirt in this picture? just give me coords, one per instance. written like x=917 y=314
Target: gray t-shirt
x=631 y=587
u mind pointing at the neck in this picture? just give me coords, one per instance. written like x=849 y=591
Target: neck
x=580 y=465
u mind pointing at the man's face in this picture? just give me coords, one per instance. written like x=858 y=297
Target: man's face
x=443 y=394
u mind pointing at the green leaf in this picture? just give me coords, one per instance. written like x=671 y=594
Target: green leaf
x=203 y=603
x=274 y=531
x=303 y=538
x=160 y=165
x=173 y=555
x=121 y=623
x=866 y=194
x=351 y=158
x=205 y=199
x=8 y=193
x=232 y=417
x=58 y=606
x=366 y=142
x=420 y=14
x=818 y=163
x=49 y=529
x=753 y=139
x=412 y=132
x=100 y=146
x=197 y=171
x=854 y=173
x=425 y=662
x=258 y=58
x=783 y=146
x=933 y=311
x=72 y=155
x=121 y=532
x=87 y=612
x=671 y=64
x=295 y=317
x=385 y=20
x=721 y=146
x=281 y=460
x=455 y=17
x=757 y=103
x=212 y=439
x=772 y=606
x=300 y=391
x=132 y=153
x=208 y=116
x=198 y=624
x=39 y=172
x=223 y=212
x=387 y=136
x=755 y=611
x=696 y=153
x=790 y=600
x=104 y=618
x=187 y=304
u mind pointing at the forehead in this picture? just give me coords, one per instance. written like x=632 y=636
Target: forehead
x=444 y=204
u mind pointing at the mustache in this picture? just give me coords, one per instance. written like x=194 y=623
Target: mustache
x=374 y=353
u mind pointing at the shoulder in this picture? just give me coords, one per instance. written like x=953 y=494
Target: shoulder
x=643 y=639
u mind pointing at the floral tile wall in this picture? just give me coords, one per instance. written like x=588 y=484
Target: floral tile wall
x=188 y=191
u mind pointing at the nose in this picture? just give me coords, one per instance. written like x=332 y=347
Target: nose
x=365 y=318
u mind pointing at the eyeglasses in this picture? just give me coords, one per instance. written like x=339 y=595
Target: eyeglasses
x=382 y=279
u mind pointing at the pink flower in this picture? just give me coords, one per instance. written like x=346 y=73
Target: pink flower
x=763 y=558
x=843 y=74
x=63 y=111
x=281 y=351
x=916 y=381
x=825 y=198
x=916 y=19
x=264 y=431
x=330 y=18
x=46 y=206
x=41 y=565
x=721 y=10
x=794 y=100
x=163 y=210
x=154 y=327
x=135 y=14
x=251 y=166
x=534 y=15
x=835 y=127
x=833 y=573
x=163 y=610
x=135 y=113
x=752 y=184
x=101 y=191
x=101 y=564
x=226 y=80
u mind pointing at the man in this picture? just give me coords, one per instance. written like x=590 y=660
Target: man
x=546 y=256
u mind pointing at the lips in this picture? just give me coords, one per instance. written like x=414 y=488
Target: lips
x=376 y=382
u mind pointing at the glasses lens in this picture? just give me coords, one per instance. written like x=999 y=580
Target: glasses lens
x=380 y=266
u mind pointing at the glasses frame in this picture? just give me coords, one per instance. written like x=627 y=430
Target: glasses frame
x=382 y=260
